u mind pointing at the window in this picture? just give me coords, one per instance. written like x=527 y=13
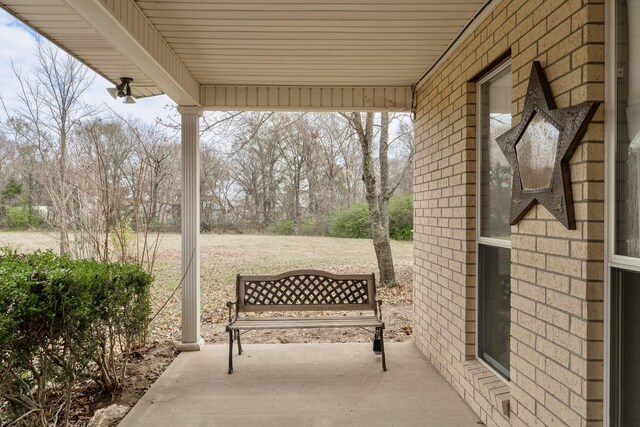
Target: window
x=494 y=231
x=623 y=131
x=626 y=346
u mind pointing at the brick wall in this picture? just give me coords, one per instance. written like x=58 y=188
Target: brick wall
x=557 y=275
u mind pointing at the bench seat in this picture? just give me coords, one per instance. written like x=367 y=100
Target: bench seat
x=305 y=322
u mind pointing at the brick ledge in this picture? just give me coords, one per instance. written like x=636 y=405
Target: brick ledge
x=489 y=385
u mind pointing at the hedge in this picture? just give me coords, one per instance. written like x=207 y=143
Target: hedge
x=401 y=217
x=354 y=222
x=351 y=223
x=22 y=218
x=63 y=322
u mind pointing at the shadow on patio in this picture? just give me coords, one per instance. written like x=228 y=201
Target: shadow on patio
x=302 y=385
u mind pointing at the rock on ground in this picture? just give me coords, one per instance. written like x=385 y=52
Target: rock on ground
x=108 y=416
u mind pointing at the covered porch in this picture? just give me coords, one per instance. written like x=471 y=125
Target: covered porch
x=522 y=312
x=364 y=55
x=302 y=384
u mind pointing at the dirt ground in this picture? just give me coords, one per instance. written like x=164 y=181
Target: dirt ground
x=222 y=257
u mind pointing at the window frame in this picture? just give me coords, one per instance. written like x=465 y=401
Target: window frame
x=613 y=262
x=481 y=240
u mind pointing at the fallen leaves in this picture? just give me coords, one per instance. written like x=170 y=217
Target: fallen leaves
x=401 y=293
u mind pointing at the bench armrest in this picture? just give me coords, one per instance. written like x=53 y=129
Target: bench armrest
x=230 y=305
x=379 y=309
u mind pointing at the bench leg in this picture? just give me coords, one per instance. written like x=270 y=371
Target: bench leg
x=239 y=345
x=384 y=361
x=376 y=341
x=230 y=351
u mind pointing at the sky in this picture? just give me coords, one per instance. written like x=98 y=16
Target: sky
x=18 y=44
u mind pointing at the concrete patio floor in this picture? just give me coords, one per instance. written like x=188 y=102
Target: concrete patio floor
x=301 y=385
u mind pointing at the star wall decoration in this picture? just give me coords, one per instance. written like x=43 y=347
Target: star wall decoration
x=539 y=149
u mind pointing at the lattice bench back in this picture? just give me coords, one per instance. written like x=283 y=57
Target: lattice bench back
x=306 y=290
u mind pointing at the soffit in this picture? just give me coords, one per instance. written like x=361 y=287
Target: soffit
x=309 y=42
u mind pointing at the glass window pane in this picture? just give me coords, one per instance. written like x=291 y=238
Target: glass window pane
x=536 y=152
x=625 y=348
x=628 y=129
x=495 y=116
x=495 y=307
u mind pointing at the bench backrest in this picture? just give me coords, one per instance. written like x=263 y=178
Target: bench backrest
x=303 y=290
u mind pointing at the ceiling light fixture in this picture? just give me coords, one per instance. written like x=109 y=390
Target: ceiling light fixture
x=123 y=90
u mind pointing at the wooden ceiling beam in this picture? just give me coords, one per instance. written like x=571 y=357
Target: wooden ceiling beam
x=124 y=25
x=306 y=98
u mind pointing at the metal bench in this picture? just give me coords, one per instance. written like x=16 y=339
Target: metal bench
x=305 y=290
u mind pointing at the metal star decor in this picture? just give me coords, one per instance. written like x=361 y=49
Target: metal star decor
x=539 y=149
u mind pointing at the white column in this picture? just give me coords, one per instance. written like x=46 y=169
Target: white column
x=191 y=340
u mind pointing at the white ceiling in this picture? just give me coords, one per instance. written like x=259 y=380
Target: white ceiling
x=309 y=42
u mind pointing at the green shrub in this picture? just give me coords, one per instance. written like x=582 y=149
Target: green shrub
x=122 y=304
x=310 y=226
x=401 y=217
x=352 y=222
x=155 y=225
x=11 y=191
x=22 y=218
x=282 y=228
x=62 y=321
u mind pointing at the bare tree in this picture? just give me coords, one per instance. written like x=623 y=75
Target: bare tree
x=332 y=136
x=257 y=169
x=151 y=188
x=387 y=188
x=381 y=244
x=215 y=182
x=50 y=109
x=256 y=162
x=294 y=152
x=99 y=195
x=352 y=161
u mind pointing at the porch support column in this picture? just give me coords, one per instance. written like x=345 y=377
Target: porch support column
x=190 y=146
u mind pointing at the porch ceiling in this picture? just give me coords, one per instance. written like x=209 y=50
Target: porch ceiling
x=249 y=54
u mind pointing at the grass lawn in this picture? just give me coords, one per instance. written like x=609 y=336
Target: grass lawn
x=223 y=256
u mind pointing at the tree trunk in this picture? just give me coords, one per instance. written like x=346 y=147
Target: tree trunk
x=383 y=158
x=380 y=236
x=347 y=176
x=296 y=195
x=63 y=209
